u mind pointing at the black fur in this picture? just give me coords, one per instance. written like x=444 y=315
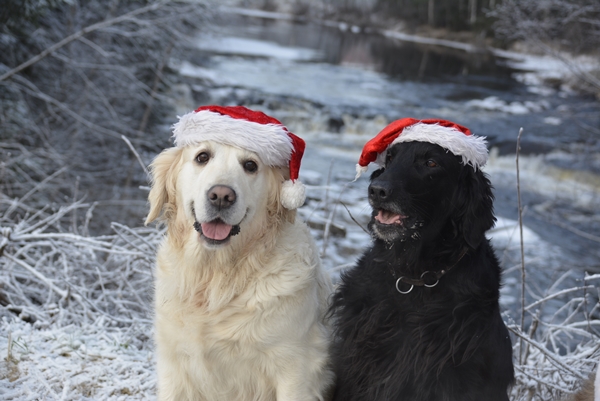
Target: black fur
x=444 y=343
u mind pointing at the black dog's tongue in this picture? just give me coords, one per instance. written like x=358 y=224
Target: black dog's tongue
x=387 y=217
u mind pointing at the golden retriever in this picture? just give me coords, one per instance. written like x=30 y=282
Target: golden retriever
x=240 y=294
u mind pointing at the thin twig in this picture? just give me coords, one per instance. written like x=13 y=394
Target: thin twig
x=522 y=248
x=325 y=210
x=37 y=274
x=43 y=183
x=547 y=353
x=79 y=34
x=353 y=219
x=558 y=294
x=574 y=230
x=137 y=156
x=157 y=79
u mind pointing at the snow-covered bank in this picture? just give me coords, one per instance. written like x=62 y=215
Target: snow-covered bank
x=541 y=72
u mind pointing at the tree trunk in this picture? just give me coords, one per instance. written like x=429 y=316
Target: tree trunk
x=431 y=13
x=473 y=11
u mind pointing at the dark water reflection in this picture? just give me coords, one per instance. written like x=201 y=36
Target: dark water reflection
x=420 y=81
x=427 y=79
x=397 y=59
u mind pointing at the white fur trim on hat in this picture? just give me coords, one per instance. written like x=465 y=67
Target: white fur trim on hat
x=270 y=142
x=363 y=169
x=471 y=148
x=293 y=194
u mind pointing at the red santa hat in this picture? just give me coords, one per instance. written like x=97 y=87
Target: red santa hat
x=252 y=130
x=450 y=136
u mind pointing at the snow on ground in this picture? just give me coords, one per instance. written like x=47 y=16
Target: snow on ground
x=75 y=362
x=537 y=70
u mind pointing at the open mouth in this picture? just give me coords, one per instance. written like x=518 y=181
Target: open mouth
x=216 y=232
x=391 y=226
x=387 y=217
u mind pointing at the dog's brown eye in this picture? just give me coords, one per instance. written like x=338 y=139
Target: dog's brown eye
x=388 y=158
x=431 y=163
x=203 y=158
x=250 y=166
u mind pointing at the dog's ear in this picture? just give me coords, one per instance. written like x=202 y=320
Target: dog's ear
x=275 y=209
x=474 y=214
x=163 y=191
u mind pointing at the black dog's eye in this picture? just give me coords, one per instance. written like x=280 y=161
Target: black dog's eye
x=431 y=163
x=203 y=158
x=250 y=166
x=388 y=157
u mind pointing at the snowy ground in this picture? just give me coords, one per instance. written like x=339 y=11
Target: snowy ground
x=75 y=362
x=75 y=311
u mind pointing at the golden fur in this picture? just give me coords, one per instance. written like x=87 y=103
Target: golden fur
x=244 y=320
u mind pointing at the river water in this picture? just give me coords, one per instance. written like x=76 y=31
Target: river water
x=336 y=86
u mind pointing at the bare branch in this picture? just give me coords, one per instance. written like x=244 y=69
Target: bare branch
x=79 y=34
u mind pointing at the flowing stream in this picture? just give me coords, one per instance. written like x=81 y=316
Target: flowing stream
x=336 y=86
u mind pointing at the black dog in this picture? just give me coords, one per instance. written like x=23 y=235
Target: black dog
x=418 y=318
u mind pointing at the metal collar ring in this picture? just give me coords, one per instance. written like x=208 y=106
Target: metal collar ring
x=398 y=288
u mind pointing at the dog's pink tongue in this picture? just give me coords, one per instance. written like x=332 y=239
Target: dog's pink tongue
x=216 y=230
x=385 y=217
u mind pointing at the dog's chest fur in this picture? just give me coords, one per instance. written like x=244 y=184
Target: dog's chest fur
x=223 y=323
x=412 y=341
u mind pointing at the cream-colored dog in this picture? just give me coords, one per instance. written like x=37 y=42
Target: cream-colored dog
x=240 y=294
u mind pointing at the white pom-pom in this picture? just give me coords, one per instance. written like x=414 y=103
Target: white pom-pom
x=293 y=194
x=359 y=170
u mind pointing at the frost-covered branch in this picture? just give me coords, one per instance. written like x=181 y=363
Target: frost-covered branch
x=79 y=34
x=56 y=277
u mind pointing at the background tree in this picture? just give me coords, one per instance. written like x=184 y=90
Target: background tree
x=63 y=116
x=452 y=14
x=553 y=27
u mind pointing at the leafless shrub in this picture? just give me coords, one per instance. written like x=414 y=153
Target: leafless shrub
x=50 y=276
x=552 y=27
x=99 y=70
x=561 y=345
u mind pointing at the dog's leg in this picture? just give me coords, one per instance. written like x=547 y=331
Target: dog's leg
x=174 y=382
x=303 y=381
x=295 y=388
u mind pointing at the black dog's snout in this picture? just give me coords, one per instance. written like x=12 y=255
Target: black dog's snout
x=380 y=191
x=221 y=196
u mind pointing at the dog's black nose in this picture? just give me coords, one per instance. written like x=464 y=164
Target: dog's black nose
x=221 y=196
x=380 y=191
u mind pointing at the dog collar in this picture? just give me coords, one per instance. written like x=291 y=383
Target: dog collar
x=428 y=279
